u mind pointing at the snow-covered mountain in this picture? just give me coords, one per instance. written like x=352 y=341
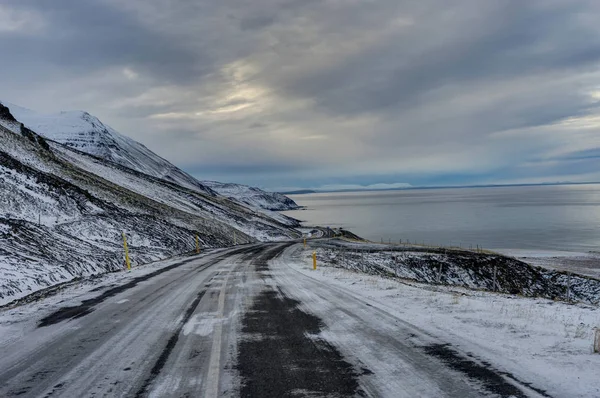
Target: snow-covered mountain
x=86 y=133
x=62 y=213
x=252 y=196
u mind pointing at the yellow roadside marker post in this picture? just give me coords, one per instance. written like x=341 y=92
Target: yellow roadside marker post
x=197 y=245
x=127 y=262
x=314 y=260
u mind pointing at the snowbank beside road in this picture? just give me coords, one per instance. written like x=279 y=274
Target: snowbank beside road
x=467 y=268
x=541 y=341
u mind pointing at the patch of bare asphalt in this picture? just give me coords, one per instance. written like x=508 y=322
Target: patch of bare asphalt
x=281 y=355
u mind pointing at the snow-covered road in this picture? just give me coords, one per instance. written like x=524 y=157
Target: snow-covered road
x=153 y=338
x=248 y=321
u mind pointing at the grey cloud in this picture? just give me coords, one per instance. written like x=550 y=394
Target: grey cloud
x=334 y=89
x=257 y=125
x=82 y=36
x=256 y=22
x=514 y=40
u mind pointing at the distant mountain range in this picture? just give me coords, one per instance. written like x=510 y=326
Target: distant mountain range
x=416 y=187
x=70 y=186
x=298 y=192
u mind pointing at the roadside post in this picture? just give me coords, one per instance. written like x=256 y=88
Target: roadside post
x=304 y=242
x=197 y=245
x=597 y=341
x=314 y=260
x=568 y=287
x=495 y=278
x=127 y=262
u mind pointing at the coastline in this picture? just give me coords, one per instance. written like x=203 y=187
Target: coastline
x=583 y=263
x=577 y=262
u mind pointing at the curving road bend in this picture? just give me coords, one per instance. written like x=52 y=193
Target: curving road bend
x=239 y=322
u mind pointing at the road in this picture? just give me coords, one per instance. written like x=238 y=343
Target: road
x=239 y=322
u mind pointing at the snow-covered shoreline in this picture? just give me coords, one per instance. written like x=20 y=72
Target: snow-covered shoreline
x=584 y=263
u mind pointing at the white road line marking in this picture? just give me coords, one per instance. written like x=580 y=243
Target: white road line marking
x=214 y=367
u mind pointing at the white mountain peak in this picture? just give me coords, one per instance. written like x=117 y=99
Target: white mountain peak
x=85 y=132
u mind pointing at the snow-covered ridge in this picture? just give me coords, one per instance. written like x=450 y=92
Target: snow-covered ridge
x=86 y=133
x=252 y=196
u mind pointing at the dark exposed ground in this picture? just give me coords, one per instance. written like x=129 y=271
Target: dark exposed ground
x=288 y=359
x=280 y=354
x=490 y=380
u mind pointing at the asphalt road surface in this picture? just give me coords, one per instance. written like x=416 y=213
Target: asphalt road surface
x=239 y=322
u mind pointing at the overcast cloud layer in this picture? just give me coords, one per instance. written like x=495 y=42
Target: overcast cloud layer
x=309 y=93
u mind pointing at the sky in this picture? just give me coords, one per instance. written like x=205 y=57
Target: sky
x=291 y=94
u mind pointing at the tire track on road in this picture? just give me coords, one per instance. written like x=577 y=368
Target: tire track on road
x=174 y=339
x=55 y=360
x=87 y=306
x=164 y=355
x=493 y=381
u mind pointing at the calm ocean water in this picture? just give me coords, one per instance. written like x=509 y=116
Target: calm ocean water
x=565 y=217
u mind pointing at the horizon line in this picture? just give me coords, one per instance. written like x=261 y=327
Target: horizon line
x=306 y=191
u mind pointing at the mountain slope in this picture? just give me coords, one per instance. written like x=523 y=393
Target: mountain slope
x=62 y=213
x=252 y=196
x=82 y=131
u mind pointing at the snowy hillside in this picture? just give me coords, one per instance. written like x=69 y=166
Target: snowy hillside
x=62 y=213
x=252 y=196
x=86 y=133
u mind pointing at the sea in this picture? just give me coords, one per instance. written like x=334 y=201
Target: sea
x=546 y=217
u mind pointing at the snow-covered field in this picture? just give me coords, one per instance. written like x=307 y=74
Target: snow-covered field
x=548 y=343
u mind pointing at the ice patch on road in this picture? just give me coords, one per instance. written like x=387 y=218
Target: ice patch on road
x=202 y=324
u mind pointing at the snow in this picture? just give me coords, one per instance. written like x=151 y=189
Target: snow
x=18 y=191
x=65 y=211
x=311 y=232
x=84 y=132
x=584 y=263
x=14 y=320
x=541 y=341
x=252 y=196
x=11 y=126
